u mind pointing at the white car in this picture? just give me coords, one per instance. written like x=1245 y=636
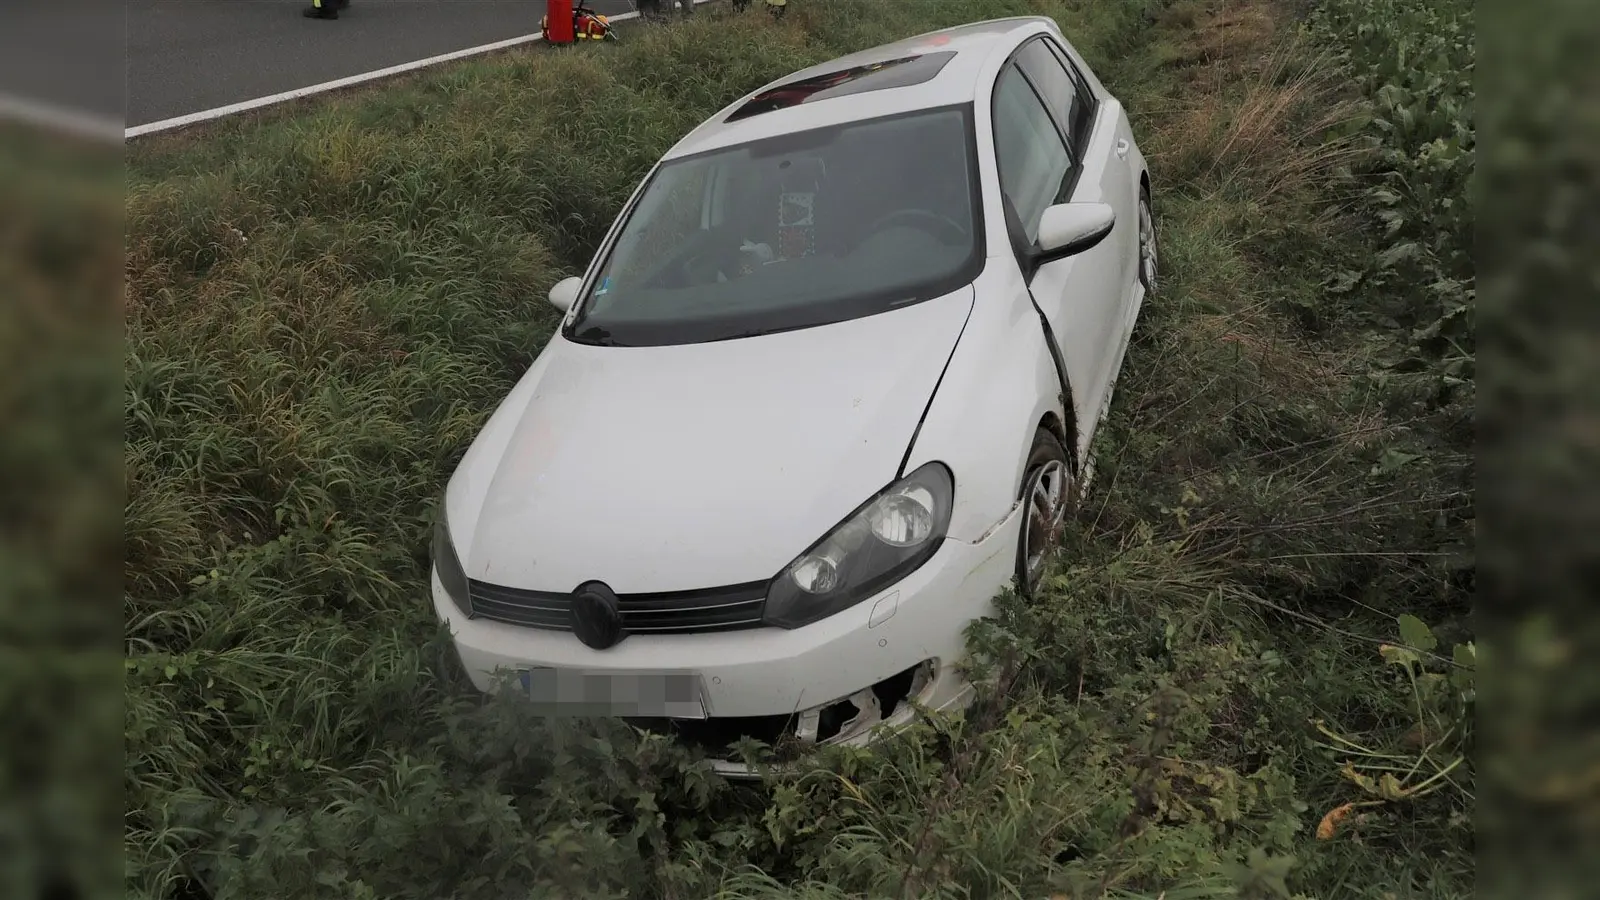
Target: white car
x=826 y=389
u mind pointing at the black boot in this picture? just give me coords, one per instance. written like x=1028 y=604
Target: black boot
x=324 y=12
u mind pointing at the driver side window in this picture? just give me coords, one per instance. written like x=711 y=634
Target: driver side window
x=1035 y=165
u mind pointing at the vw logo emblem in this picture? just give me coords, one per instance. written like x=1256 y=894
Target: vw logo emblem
x=596 y=617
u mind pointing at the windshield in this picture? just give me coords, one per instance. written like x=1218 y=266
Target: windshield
x=791 y=232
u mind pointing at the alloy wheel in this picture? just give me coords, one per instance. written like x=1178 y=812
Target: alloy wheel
x=1048 y=497
x=1147 y=246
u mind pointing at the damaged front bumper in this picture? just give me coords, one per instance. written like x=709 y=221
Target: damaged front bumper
x=856 y=720
x=844 y=680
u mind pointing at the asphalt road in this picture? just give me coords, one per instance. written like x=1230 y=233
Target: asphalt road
x=64 y=55
x=185 y=56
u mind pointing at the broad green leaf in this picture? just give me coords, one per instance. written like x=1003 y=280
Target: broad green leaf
x=1416 y=634
x=1393 y=460
x=1400 y=656
x=1393 y=256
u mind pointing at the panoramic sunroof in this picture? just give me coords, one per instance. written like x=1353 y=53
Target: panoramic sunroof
x=891 y=73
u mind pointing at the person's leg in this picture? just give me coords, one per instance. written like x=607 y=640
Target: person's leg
x=321 y=9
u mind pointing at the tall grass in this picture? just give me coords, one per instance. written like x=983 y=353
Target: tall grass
x=326 y=302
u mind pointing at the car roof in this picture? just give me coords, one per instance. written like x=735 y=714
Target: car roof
x=938 y=68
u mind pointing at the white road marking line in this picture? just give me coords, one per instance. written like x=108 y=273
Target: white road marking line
x=246 y=105
x=59 y=118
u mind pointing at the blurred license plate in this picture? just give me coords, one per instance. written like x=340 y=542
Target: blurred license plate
x=573 y=692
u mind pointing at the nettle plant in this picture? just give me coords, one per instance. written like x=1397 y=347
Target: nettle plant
x=1413 y=64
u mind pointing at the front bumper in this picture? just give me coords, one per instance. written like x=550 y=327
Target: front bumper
x=908 y=638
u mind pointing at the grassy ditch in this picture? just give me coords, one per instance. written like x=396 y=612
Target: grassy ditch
x=1250 y=677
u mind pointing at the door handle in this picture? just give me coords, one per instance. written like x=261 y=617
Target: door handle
x=1122 y=149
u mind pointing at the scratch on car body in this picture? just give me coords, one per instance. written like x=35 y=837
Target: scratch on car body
x=1000 y=523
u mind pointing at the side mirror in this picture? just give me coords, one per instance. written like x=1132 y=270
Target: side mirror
x=565 y=293
x=1067 y=229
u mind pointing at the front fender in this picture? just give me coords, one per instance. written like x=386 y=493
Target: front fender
x=999 y=384
x=468 y=486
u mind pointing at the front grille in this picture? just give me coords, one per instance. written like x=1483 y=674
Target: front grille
x=680 y=612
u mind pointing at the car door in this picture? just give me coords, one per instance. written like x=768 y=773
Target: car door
x=1101 y=130
x=1050 y=149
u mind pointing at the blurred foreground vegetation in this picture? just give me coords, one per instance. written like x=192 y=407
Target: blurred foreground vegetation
x=60 y=497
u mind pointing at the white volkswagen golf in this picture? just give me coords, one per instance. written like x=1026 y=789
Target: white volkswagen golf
x=826 y=389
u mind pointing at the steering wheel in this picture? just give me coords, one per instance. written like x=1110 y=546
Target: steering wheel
x=705 y=265
x=941 y=227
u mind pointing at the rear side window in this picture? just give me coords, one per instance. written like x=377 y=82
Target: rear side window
x=1063 y=92
x=1035 y=164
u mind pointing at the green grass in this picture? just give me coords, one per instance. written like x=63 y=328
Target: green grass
x=325 y=302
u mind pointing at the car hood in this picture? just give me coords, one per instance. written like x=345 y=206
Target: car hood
x=703 y=465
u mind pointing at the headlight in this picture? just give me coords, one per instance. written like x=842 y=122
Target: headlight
x=880 y=543
x=448 y=565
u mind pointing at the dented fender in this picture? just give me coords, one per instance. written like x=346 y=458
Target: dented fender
x=999 y=384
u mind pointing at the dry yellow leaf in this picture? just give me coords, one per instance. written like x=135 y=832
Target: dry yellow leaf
x=1330 y=822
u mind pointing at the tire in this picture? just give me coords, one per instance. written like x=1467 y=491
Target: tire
x=1149 y=244
x=1049 y=493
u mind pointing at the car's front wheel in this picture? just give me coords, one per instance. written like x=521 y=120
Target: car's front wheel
x=1148 y=247
x=1049 y=494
